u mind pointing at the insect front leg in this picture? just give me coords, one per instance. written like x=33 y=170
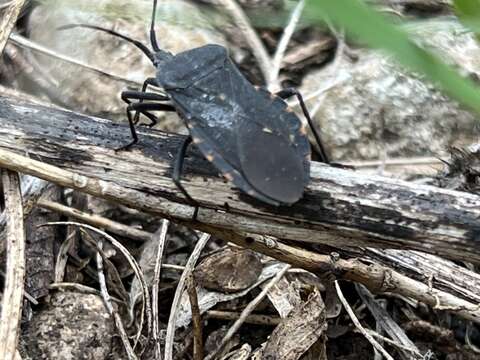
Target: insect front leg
x=144 y=108
x=177 y=173
x=127 y=96
x=152 y=82
x=289 y=92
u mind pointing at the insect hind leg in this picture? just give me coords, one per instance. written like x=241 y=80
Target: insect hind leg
x=289 y=92
x=177 y=172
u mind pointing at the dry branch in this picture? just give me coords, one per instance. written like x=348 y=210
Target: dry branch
x=8 y=21
x=340 y=207
x=12 y=298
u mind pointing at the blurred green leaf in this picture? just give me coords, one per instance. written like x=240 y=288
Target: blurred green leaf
x=371 y=28
x=468 y=11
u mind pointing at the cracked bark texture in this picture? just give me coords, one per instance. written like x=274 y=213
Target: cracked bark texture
x=339 y=207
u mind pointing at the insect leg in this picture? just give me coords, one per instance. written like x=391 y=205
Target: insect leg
x=127 y=96
x=152 y=82
x=289 y=92
x=177 y=172
x=143 y=108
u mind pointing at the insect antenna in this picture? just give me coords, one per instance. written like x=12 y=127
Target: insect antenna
x=137 y=43
x=153 y=37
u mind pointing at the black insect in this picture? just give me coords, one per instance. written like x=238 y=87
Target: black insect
x=249 y=134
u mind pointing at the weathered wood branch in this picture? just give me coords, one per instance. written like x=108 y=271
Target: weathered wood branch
x=340 y=207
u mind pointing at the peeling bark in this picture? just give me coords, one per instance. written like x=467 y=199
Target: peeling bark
x=339 y=208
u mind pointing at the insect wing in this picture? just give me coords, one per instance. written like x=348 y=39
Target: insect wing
x=247 y=133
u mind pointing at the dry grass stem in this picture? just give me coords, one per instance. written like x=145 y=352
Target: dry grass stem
x=251 y=319
x=26 y=43
x=192 y=260
x=196 y=319
x=146 y=305
x=283 y=44
x=11 y=312
x=108 y=303
x=8 y=21
x=359 y=326
x=97 y=221
x=155 y=286
x=255 y=43
x=246 y=312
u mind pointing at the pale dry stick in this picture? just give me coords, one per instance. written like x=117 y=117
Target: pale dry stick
x=385 y=322
x=155 y=286
x=335 y=66
x=62 y=257
x=32 y=189
x=146 y=305
x=196 y=319
x=359 y=326
x=80 y=288
x=108 y=302
x=349 y=270
x=420 y=160
x=173 y=267
x=246 y=312
x=26 y=43
x=12 y=298
x=23 y=65
x=242 y=353
x=255 y=43
x=4 y=6
x=251 y=319
x=283 y=43
x=192 y=260
x=10 y=16
x=25 y=294
x=341 y=78
x=396 y=344
x=97 y=221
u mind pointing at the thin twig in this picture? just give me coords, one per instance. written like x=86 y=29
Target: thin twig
x=10 y=16
x=7 y=4
x=247 y=311
x=108 y=303
x=396 y=344
x=146 y=306
x=12 y=298
x=251 y=319
x=25 y=294
x=62 y=257
x=196 y=319
x=425 y=160
x=81 y=288
x=283 y=43
x=26 y=43
x=359 y=326
x=192 y=260
x=155 y=287
x=97 y=221
x=243 y=24
x=334 y=70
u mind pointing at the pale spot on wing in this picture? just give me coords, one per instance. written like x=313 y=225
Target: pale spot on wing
x=303 y=130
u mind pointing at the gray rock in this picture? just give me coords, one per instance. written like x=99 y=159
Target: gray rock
x=72 y=326
x=378 y=108
x=180 y=26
